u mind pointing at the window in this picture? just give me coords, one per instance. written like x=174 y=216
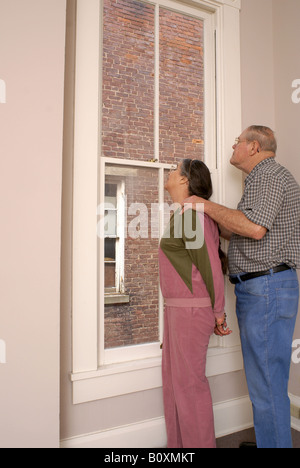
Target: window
x=168 y=88
x=114 y=249
x=154 y=80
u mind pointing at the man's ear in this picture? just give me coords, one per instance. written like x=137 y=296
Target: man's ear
x=255 y=148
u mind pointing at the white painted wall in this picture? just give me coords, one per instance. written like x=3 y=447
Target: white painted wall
x=32 y=47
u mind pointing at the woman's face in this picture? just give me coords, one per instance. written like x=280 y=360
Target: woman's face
x=175 y=178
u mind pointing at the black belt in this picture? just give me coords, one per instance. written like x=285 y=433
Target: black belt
x=248 y=276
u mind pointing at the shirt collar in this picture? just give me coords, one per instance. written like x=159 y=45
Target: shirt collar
x=265 y=162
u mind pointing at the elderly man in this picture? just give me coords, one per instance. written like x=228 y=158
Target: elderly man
x=264 y=253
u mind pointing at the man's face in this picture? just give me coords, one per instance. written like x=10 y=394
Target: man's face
x=240 y=153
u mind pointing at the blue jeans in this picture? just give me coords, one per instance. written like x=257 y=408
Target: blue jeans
x=266 y=309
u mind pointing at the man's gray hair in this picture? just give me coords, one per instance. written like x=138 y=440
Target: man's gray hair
x=265 y=137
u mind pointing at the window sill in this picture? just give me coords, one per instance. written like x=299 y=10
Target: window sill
x=143 y=374
x=110 y=299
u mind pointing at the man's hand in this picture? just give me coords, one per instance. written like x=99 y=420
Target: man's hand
x=232 y=220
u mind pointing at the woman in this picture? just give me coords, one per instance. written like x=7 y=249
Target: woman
x=192 y=284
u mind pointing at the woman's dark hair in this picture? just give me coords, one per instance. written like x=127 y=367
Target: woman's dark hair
x=199 y=178
x=200 y=184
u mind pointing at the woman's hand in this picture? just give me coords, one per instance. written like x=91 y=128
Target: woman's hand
x=221 y=327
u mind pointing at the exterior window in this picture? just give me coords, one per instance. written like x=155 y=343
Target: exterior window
x=114 y=240
x=111 y=239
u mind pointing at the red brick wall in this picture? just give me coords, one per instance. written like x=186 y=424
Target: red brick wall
x=128 y=132
x=128 y=80
x=181 y=87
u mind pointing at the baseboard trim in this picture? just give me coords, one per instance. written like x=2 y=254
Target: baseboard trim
x=295 y=401
x=146 y=434
x=296 y=424
x=233 y=416
x=230 y=416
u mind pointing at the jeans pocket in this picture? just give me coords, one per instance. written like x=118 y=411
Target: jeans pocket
x=287 y=302
x=255 y=286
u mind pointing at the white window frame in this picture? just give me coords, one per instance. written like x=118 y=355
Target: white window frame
x=91 y=380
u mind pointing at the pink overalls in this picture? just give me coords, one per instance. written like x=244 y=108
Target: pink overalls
x=192 y=284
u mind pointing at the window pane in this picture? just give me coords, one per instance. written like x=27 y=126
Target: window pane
x=128 y=80
x=111 y=222
x=110 y=275
x=181 y=87
x=138 y=321
x=110 y=250
x=111 y=194
x=110 y=264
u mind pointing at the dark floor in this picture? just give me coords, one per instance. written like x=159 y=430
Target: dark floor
x=234 y=440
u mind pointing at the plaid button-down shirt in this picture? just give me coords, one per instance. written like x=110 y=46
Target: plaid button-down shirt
x=272 y=200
